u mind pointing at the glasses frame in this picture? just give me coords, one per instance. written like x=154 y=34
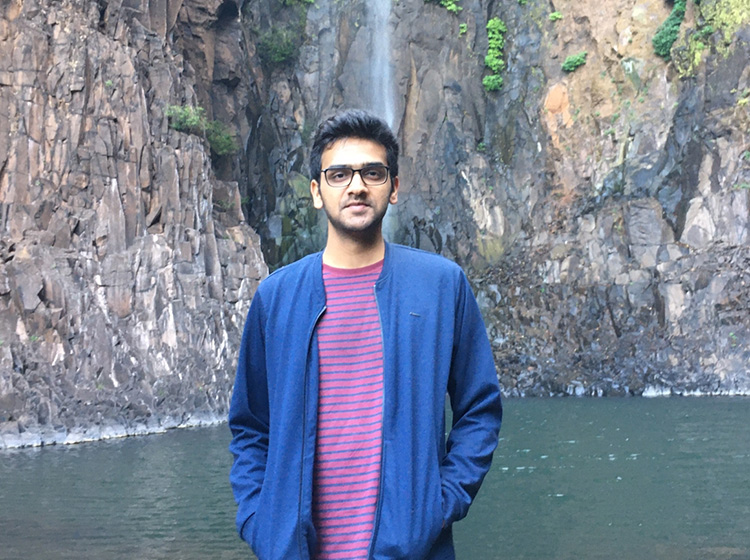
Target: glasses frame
x=355 y=171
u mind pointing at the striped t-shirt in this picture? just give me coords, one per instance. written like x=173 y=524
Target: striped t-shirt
x=350 y=421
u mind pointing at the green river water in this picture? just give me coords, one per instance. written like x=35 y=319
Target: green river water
x=580 y=479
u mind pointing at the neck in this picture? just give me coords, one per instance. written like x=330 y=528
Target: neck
x=350 y=252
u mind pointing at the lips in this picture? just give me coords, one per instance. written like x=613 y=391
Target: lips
x=357 y=205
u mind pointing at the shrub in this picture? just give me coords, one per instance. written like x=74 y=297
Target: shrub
x=574 y=61
x=496 y=30
x=450 y=5
x=668 y=31
x=186 y=118
x=278 y=47
x=493 y=82
x=220 y=138
x=555 y=16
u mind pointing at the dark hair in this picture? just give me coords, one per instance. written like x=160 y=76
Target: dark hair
x=353 y=123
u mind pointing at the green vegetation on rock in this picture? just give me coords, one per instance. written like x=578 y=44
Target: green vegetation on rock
x=668 y=31
x=718 y=22
x=220 y=138
x=726 y=16
x=555 y=16
x=574 y=61
x=278 y=47
x=186 y=118
x=450 y=5
x=192 y=120
x=496 y=30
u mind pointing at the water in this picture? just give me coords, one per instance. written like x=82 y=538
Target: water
x=381 y=87
x=573 y=479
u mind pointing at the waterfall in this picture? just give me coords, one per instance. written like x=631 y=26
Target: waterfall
x=381 y=87
x=382 y=91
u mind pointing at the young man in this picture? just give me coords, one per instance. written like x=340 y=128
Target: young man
x=338 y=410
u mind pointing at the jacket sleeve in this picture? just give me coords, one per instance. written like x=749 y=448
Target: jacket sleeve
x=477 y=410
x=249 y=420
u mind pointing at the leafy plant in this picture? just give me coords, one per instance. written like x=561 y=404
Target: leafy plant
x=668 y=31
x=450 y=5
x=574 y=61
x=493 y=82
x=220 y=138
x=278 y=47
x=187 y=118
x=462 y=28
x=493 y=60
x=555 y=16
x=192 y=119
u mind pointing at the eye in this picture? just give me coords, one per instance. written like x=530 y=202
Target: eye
x=374 y=173
x=338 y=175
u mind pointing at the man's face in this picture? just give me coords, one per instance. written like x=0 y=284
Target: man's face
x=358 y=208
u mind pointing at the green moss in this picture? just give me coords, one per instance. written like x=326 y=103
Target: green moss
x=462 y=28
x=726 y=16
x=668 y=31
x=555 y=16
x=574 y=61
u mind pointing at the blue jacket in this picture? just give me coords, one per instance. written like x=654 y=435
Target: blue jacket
x=434 y=341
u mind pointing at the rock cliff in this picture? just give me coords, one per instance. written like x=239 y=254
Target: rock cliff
x=601 y=211
x=127 y=267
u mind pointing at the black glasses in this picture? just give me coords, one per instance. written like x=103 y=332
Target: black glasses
x=372 y=175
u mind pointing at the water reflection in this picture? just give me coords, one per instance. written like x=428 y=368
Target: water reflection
x=572 y=479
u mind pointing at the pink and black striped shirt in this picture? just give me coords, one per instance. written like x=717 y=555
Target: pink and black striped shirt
x=350 y=420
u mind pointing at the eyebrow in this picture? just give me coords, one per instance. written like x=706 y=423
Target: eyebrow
x=349 y=166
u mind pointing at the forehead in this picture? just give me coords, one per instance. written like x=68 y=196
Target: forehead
x=353 y=152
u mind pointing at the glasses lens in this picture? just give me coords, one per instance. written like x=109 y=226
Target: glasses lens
x=370 y=174
x=339 y=177
x=374 y=174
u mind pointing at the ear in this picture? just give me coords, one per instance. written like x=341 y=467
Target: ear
x=315 y=192
x=393 y=199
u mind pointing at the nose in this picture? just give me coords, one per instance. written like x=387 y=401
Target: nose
x=357 y=183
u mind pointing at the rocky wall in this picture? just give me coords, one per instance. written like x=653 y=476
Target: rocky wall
x=602 y=213
x=127 y=267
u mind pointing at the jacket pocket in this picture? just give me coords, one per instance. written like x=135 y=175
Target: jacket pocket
x=254 y=529
x=411 y=516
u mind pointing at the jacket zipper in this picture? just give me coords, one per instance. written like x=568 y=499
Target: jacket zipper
x=378 y=504
x=304 y=435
